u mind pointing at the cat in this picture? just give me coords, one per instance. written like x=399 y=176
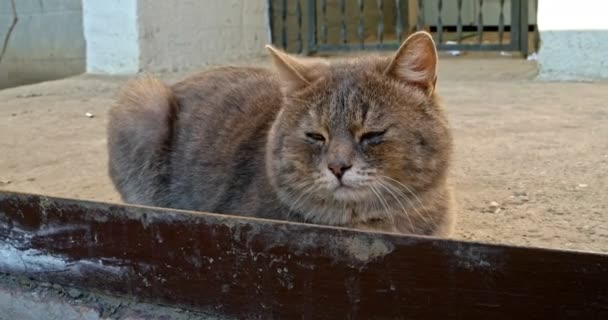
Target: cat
x=360 y=143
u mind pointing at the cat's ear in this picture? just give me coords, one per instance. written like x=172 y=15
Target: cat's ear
x=296 y=73
x=416 y=62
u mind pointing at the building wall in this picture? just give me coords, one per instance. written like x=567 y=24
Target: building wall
x=574 y=39
x=127 y=36
x=47 y=42
x=175 y=35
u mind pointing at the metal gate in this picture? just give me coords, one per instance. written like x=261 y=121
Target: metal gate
x=323 y=26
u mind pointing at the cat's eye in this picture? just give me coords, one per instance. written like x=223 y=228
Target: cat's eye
x=315 y=137
x=372 y=137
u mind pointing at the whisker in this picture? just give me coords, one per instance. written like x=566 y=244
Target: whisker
x=302 y=187
x=375 y=206
x=409 y=190
x=400 y=204
x=383 y=201
x=304 y=191
x=405 y=197
x=306 y=103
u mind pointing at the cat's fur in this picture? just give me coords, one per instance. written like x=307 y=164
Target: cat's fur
x=361 y=143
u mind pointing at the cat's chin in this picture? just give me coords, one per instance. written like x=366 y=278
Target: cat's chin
x=349 y=194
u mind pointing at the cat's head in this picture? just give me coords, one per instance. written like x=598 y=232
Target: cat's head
x=356 y=140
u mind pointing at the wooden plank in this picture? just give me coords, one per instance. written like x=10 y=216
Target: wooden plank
x=250 y=268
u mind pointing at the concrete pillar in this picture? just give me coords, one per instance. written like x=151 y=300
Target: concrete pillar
x=112 y=37
x=127 y=36
x=574 y=39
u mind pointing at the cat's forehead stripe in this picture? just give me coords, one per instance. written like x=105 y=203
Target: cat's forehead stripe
x=342 y=107
x=354 y=105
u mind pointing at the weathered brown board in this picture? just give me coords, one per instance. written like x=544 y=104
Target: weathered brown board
x=249 y=268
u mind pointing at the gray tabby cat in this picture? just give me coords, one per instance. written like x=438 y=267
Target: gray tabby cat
x=361 y=143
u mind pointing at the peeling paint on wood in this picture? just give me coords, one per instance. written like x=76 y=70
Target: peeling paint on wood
x=252 y=268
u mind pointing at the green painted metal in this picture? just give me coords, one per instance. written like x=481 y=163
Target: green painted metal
x=353 y=24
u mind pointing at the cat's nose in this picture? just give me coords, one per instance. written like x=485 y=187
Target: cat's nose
x=338 y=168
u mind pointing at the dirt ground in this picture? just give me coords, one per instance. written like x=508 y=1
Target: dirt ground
x=531 y=160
